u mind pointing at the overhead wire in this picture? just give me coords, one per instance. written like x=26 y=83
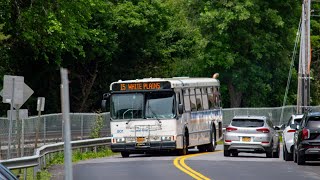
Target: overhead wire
x=298 y=34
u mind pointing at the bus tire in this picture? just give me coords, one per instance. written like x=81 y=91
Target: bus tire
x=184 y=150
x=212 y=145
x=125 y=154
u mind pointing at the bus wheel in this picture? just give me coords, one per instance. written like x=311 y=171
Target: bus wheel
x=184 y=150
x=125 y=154
x=212 y=145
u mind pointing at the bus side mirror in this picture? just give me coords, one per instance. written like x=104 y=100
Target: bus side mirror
x=180 y=108
x=104 y=101
x=104 y=105
x=106 y=96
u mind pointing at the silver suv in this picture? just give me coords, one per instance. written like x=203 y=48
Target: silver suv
x=251 y=134
x=287 y=136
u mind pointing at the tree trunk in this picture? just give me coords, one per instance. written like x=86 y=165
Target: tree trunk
x=86 y=88
x=235 y=96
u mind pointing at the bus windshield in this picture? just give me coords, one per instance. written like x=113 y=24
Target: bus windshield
x=150 y=105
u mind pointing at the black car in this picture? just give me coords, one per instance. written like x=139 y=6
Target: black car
x=307 y=139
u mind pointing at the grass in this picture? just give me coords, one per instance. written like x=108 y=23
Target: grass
x=220 y=142
x=58 y=158
x=42 y=175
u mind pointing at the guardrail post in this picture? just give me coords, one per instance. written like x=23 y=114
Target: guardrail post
x=44 y=130
x=35 y=170
x=44 y=161
x=81 y=126
x=40 y=163
x=25 y=173
x=22 y=138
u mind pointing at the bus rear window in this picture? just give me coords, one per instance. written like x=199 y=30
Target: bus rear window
x=247 y=122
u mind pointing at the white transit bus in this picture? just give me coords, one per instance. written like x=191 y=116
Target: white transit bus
x=164 y=114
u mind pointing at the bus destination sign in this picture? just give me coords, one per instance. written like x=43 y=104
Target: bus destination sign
x=140 y=86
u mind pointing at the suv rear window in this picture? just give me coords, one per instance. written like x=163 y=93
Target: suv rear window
x=297 y=121
x=247 y=122
x=314 y=122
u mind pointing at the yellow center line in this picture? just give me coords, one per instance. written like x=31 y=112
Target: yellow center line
x=179 y=162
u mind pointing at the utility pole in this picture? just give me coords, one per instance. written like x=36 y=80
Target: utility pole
x=303 y=99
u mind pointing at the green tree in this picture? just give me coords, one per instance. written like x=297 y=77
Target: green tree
x=315 y=61
x=250 y=44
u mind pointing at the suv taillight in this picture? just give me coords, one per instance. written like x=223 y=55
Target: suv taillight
x=291 y=130
x=305 y=134
x=264 y=130
x=229 y=129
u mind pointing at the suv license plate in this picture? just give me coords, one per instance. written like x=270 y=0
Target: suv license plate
x=246 y=139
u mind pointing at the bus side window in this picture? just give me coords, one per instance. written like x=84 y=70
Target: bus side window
x=205 y=99
x=186 y=100
x=210 y=97
x=216 y=96
x=199 y=99
x=193 y=102
x=178 y=100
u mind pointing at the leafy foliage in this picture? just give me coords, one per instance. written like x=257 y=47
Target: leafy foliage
x=248 y=42
x=98 y=125
x=315 y=61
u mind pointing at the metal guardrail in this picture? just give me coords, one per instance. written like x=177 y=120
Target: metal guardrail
x=38 y=160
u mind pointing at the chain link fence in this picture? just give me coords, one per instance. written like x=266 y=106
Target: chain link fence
x=273 y=113
x=86 y=125
x=49 y=129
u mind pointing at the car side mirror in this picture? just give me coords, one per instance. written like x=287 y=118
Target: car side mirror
x=180 y=108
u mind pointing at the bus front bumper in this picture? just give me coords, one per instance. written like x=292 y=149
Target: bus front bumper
x=143 y=147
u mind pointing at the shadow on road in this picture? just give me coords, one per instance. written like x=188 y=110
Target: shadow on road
x=160 y=154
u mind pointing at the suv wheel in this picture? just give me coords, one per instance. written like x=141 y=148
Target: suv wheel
x=277 y=153
x=300 y=159
x=269 y=152
x=286 y=155
x=226 y=152
x=294 y=156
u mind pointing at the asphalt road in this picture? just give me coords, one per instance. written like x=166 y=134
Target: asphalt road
x=197 y=166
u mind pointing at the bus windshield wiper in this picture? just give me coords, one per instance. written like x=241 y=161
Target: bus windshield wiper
x=153 y=113
x=131 y=116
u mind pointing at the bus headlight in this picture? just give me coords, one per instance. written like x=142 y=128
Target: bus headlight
x=119 y=140
x=166 y=138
